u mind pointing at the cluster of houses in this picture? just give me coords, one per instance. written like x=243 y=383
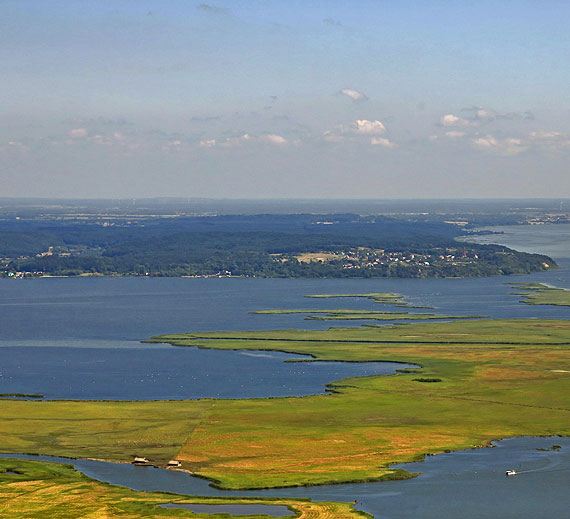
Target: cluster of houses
x=373 y=258
x=140 y=460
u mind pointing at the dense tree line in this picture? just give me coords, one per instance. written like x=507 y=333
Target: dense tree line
x=247 y=246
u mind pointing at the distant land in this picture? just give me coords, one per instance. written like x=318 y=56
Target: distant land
x=265 y=238
x=476 y=211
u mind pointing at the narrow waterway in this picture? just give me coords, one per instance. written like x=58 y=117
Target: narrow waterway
x=468 y=484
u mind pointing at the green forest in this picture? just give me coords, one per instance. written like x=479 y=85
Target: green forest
x=341 y=245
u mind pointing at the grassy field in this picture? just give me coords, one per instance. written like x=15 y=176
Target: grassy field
x=385 y=298
x=495 y=379
x=31 y=489
x=354 y=315
x=116 y=431
x=539 y=294
x=499 y=378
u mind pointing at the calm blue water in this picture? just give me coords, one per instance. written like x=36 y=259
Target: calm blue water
x=79 y=338
x=118 y=312
x=167 y=372
x=552 y=240
x=468 y=484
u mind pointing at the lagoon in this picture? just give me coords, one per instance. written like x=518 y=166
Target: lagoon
x=169 y=373
x=80 y=338
x=120 y=312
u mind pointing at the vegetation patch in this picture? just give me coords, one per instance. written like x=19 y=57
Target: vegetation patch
x=353 y=315
x=426 y=379
x=275 y=246
x=40 y=489
x=378 y=297
x=553 y=448
x=539 y=294
x=499 y=378
x=20 y=395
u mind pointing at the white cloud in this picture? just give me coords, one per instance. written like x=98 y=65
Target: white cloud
x=454 y=134
x=483 y=114
x=486 y=142
x=509 y=146
x=359 y=128
x=173 y=146
x=550 y=141
x=365 y=127
x=355 y=95
x=478 y=114
x=273 y=138
x=454 y=120
x=109 y=140
x=382 y=141
x=542 y=135
x=329 y=136
x=545 y=141
x=78 y=133
x=14 y=146
x=513 y=146
x=236 y=141
x=246 y=138
x=516 y=116
x=96 y=122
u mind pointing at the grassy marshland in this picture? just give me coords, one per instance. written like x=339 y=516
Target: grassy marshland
x=498 y=378
x=539 y=294
x=386 y=298
x=115 y=431
x=353 y=315
x=37 y=489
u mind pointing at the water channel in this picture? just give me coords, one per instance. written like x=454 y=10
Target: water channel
x=467 y=484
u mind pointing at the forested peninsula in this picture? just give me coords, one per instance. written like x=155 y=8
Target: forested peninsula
x=266 y=245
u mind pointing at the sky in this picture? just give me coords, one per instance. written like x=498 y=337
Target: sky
x=285 y=99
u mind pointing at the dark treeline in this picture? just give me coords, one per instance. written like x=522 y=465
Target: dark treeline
x=250 y=245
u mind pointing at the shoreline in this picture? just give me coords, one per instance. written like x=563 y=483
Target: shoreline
x=388 y=389
x=403 y=474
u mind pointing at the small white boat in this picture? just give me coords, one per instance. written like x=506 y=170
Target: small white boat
x=511 y=473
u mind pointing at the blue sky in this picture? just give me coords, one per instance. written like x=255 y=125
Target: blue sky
x=249 y=99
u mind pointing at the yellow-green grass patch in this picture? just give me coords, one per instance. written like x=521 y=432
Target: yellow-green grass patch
x=495 y=379
x=30 y=489
x=539 y=294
